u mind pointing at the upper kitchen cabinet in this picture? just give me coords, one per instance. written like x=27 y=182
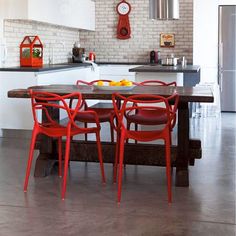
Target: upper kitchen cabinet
x=71 y=13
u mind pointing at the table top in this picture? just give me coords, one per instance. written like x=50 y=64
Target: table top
x=186 y=94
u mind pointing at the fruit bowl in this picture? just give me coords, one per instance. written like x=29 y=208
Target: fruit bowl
x=113 y=88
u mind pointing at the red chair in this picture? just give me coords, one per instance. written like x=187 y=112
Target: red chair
x=103 y=110
x=46 y=102
x=140 y=103
x=145 y=117
x=154 y=82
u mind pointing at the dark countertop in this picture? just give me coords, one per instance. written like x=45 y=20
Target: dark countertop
x=170 y=69
x=64 y=66
x=46 y=67
x=145 y=67
x=122 y=63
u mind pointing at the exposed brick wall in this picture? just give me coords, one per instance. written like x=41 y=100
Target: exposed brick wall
x=145 y=33
x=61 y=38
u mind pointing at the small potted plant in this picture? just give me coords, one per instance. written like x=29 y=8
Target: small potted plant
x=31 y=52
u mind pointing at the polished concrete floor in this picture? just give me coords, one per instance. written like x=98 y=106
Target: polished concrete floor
x=207 y=207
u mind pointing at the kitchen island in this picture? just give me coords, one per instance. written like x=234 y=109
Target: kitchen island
x=187 y=76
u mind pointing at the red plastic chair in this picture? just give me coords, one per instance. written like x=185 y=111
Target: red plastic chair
x=46 y=102
x=145 y=117
x=104 y=110
x=154 y=82
x=140 y=103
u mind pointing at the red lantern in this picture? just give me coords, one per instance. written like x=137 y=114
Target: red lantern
x=31 y=52
x=123 y=27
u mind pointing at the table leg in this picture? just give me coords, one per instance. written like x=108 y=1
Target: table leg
x=182 y=162
x=47 y=157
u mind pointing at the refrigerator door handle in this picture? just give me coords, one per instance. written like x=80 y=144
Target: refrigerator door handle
x=220 y=66
x=220 y=79
x=221 y=56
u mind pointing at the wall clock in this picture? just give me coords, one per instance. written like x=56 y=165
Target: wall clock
x=123 y=28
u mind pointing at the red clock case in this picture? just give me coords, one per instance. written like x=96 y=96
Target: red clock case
x=123 y=27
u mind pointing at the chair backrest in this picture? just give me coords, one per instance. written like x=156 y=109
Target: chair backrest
x=136 y=103
x=173 y=107
x=82 y=82
x=46 y=102
x=154 y=82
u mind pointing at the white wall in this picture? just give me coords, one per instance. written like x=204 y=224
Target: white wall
x=14 y=8
x=226 y=2
x=205 y=37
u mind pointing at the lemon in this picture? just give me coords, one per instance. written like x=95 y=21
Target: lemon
x=123 y=82
x=112 y=83
x=100 y=83
x=128 y=83
x=118 y=84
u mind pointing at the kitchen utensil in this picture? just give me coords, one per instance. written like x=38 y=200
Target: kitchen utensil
x=77 y=44
x=184 y=62
x=169 y=61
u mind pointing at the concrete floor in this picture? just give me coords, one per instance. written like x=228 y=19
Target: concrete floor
x=207 y=207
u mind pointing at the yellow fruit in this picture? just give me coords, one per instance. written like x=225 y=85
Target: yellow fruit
x=123 y=82
x=129 y=83
x=112 y=83
x=118 y=84
x=100 y=83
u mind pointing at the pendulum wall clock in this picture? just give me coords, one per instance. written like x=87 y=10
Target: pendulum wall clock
x=123 y=28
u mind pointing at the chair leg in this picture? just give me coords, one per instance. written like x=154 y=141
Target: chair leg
x=121 y=158
x=31 y=153
x=170 y=138
x=128 y=128
x=67 y=155
x=99 y=146
x=168 y=169
x=136 y=128
x=172 y=169
x=112 y=133
x=86 y=135
x=60 y=156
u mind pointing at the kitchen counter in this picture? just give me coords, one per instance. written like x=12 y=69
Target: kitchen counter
x=169 y=69
x=46 y=67
x=121 y=63
x=187 y=76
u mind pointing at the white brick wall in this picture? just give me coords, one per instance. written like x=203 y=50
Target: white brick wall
x=145 y=33
x=15 y=30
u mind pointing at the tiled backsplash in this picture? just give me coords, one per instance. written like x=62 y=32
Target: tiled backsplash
x=145 y=33
x=60 y=38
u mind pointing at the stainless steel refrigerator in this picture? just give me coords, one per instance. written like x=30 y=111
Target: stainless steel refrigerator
x=227 y=57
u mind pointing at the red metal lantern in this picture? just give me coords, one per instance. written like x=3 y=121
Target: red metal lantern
x=31 y=52
x=123 y=28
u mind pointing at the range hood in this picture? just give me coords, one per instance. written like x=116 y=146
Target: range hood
x=163 y=9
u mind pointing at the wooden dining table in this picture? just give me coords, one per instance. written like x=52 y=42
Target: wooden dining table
x=183 y=153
